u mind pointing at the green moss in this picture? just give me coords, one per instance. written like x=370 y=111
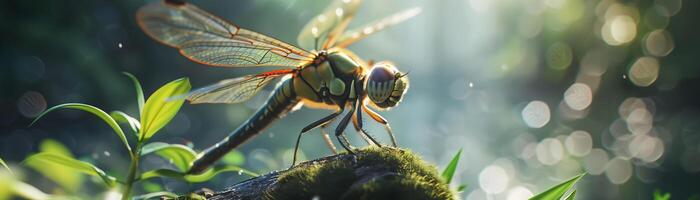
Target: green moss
x=376 y=173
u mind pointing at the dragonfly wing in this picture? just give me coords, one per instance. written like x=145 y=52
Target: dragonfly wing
x=235 y=90
x=324 y=29
x=207 y=39
x=352 y=36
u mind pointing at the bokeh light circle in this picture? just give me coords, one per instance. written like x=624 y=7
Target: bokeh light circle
x=578 y=97
x=31 y=103
x=536 y=114
x=644 y=71
x=658 y=43
x=493 y=179
x=618 y=170
x=579 y=143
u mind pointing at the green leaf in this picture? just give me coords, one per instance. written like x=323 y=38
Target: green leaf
x=179 y=155
x=68 y=179
x=122 y=117
x=2 y=162
x=195 y=178
x=97 y=112
x=151 y=187
x=572 y=196
x=139 y=91
x=234 y=158
x=461 y=188
x=156 y=195
x=661 y=196
x=10 y=187
x=160 y=108
x=79 y=166
x=449 y=171
x=558 y=191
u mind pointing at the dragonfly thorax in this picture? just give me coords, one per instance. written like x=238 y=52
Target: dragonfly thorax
x=329 y=79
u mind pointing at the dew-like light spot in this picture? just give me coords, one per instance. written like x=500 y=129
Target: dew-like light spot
x=658 y=43
x=471 y=85
x=595 y=161
x=493 y=179
x=314 y=31
x=519 y=193
x=536 y=114
x=578 y=97
x=31 y=103
x=339 y=12
x=579 y=143
x=644 y=71
x=559 y=56
x=549 y=151
x=618 y=170
x=120 y=45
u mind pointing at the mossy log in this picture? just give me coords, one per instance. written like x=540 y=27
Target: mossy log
x=373 y=173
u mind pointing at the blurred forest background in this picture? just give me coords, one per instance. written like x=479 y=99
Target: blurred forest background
x=535 y=91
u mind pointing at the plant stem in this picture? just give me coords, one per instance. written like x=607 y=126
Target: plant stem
x=132 y=171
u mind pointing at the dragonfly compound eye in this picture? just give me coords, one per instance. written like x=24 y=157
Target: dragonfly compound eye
x=386 y=85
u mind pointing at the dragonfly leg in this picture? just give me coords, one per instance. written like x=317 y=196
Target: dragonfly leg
x=341 y=127
x=313 y=125
x=327 y=138
x=357 y=121
x=358 y=128
x=381 y=120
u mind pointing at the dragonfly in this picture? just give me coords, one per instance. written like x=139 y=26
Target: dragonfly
x=320 y=73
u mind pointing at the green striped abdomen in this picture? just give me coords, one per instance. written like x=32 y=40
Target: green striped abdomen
x=280 y=102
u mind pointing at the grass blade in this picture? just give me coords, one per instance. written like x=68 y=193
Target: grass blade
x=159 y=110
x=2 y=162
x=449 y=171
x=195 y=178
x=79 y=166
x=97 y=112
x=661 y=196
x=572 y=196
x=122 y=117
x=558 y=191
x=179 y=155
x=139 y=91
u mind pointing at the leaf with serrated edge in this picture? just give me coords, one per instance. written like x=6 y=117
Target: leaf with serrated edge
x=96 y=111
x=558 y=191
x=160 y=109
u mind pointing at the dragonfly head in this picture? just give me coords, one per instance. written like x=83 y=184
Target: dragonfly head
x=386 y=85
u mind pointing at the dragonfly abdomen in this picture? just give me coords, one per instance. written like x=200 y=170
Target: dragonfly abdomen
x=280 y=102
